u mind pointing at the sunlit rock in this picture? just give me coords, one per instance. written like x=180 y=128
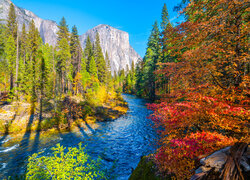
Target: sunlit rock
x=116 y=43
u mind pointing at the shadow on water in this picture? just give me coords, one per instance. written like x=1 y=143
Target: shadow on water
x=90 y=128
x=6 y=132
x=37 y=136
x=20 y=155
x=85 y=135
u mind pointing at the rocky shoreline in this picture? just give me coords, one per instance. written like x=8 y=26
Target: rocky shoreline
x=16 y=118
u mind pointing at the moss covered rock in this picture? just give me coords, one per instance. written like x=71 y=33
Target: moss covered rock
x=146 y=170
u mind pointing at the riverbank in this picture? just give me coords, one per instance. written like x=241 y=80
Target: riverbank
x=229 y=162
x=18 y=118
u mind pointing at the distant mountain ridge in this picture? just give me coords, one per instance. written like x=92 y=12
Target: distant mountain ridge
x=114 y=41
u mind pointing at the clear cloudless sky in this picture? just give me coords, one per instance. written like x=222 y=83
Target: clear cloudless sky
x=133 y=16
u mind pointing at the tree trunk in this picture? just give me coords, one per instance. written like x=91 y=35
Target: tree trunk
x=11 y=81
x=17 y=61
x=41 y=106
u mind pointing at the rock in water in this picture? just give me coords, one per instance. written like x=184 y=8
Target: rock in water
x=116 y=43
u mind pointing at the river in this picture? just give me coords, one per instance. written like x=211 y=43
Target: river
x=122 y=141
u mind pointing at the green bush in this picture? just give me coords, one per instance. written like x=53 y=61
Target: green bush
x=49 y=123
x=74 y=164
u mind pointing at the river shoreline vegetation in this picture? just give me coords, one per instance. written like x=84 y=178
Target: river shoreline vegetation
x=197 y=72
x=46 y=89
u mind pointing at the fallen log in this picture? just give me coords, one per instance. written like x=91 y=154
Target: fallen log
x=230 y=163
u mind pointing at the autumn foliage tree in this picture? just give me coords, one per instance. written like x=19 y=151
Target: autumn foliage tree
x=208 y=107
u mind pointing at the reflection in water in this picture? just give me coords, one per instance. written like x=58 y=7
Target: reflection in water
x=122 y=141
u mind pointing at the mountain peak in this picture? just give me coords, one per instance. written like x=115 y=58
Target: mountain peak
x=103 y=25
x=116 y=43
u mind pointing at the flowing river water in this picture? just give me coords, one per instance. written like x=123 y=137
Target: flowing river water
x=121 y=142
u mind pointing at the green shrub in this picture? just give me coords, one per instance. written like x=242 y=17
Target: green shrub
x=74 y=164
x=48 y=123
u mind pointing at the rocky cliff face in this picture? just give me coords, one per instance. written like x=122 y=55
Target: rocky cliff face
x=46 y=28
x=114 y=41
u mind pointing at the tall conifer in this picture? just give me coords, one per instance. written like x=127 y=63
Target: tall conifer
x=164 y=18
x=12 y=22
x=88 y=52
x=10 y=50
x=33 y=46
x=76 y=51
x=63 y=31
x=107 y=60
x=100 y=61
x=92 y=67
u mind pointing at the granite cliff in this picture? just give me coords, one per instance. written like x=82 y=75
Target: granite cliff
x=116 y=43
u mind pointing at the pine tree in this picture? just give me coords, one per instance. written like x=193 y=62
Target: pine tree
x=151 y=59
x=47 y=54
x=121 y=75
x=34 y=41
x=92 y=67
x=165 y=27
x=165 y=18
x=164 y=82
x=88 y=49
x=133 y=67
x=63 y=31
x=88 y=52
x=12 y=22
x=76 y=51
x=23 y=58
x=63 y=66
x=133 y=78
x=84 y=74
x=10 y=50
x=43 y=81
x=100 y=61
x=154 y=40
x=139 y=79
x=4 y=74
x=11 y=30
x=107 y=60
x=23 y=43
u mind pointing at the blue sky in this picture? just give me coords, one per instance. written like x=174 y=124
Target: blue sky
x=133 y=16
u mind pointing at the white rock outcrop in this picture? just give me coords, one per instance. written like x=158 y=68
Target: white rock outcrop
x=116 y=43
